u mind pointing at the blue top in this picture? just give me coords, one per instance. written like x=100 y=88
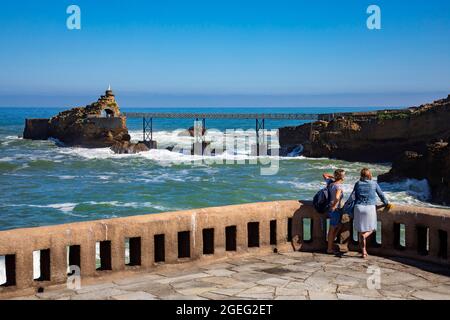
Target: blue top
x=366 y=192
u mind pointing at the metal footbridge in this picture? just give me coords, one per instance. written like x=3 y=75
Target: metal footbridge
x=260 y=116
x=147 y=120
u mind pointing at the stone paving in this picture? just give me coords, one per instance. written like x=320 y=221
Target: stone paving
x=294 y=275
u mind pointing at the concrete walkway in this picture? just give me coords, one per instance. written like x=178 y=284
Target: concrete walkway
x=294 y=275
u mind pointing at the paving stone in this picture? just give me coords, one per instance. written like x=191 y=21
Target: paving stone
x=227 y=282
x=139 y=295
x=256 y=296
x=398 y=278
x=254 y=267
x=431 y=295
x=293 y=275
x=443 y=288
x=166 y=291
x=214 y=296
x=244 y=261
x=344 y=280
x=138 y=279
x=362 y=292
x=220 y=272
x=275 y=282
x=343 y=296
x=228 y=291
x=182 y=278
x=290 y=292
x=279 y=259
x=257 y=292
x=191 y=284
x=95 y=287
x=102 y=294
x=55 y=294
x=223 y=265
x=319 y=295
x=182 y=297
x=193 y=291
x=25 y=298
x=290 y=298
x=251 y=276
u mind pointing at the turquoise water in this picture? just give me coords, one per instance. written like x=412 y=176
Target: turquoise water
x=43 y=184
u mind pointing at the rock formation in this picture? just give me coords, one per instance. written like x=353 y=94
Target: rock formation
x=382 y=136
x=373 y=137
x=433 y=165
x=97 y=125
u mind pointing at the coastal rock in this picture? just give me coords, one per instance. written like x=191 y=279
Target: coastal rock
x=94 y=126
x=36 y=129
x=125 y=147
x=405 y=137
x=97 y=125
x=372 y=137
x=433 y=165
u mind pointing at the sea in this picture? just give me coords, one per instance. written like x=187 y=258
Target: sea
x=44 y=183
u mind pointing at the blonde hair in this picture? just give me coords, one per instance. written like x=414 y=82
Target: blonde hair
x=366 y=174
x=339 y=174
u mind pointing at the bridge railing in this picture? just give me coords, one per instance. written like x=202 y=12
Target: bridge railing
x=39 y=257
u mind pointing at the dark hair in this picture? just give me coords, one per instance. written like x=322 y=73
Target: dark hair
x=339 y=174
x=366 y=174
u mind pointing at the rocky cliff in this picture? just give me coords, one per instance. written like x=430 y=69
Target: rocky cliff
x=97 y=125
x=382 y=136
x=433 y=165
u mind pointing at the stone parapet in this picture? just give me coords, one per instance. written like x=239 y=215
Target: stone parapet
x=204 y=235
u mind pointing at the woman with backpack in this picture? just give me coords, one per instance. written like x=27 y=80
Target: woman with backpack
x=336 y=194
x=365 y=213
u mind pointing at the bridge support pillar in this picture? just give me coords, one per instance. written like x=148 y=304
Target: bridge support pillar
x=260 y=148
x=147 y=133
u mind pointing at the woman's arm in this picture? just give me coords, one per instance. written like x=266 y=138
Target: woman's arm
x=327 y=176
x=381 y=195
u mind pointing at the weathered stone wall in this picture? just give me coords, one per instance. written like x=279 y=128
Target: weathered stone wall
x=117 y=123
x=260 y=227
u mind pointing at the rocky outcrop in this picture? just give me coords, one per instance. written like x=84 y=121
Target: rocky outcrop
x=383 y=136
x=129 y=147
x=97 y=125
x=94 y=126
x=36 y=129
x=373 y=137
x=433 y=165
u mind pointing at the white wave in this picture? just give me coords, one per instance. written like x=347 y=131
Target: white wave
x=408 y=191
x=63 y=177
x=128 y=204
x=67 y=177
x=63 y=207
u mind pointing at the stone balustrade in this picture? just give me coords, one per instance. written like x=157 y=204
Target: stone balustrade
x=99 y=247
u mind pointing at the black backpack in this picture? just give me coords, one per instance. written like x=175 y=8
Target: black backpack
x=321 y=200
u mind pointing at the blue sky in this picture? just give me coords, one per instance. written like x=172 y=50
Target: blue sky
x=225 y=53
